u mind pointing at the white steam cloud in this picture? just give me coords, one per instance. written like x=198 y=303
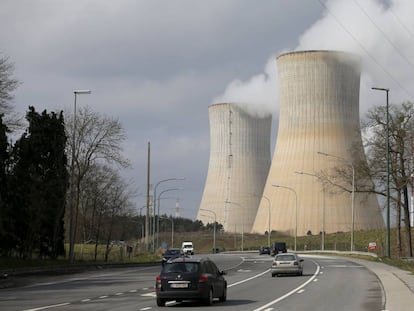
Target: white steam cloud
x=381 y=33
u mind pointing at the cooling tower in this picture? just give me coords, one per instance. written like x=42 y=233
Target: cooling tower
x=238 y=167
x=318 y=112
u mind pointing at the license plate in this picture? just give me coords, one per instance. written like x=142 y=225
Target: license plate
x=179 y=285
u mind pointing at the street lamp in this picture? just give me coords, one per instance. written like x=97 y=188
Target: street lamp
x=155 y=199
x=296 y=210
x=242 y=231
x=158 y=209
x=323 y=208
x=72 y=182
x=215 y=221
x=352 y=193
x=388 y=240
x=172 y=229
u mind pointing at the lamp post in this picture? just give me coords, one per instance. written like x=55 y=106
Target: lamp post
x=158 y=210
x=215 y=221
x=388 y=240
x=242 y=231
x=154 y=199
x=296 y=210
x=72 y=202
x=172 y=229
x=352 y=193
x=323 y=208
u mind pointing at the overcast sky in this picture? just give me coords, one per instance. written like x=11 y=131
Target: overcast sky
x=157 y=66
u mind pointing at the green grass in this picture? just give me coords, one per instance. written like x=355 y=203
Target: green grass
x=203 y=243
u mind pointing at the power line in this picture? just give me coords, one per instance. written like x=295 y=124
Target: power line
x=384 y=34
x=365 y=50
x=402 y=24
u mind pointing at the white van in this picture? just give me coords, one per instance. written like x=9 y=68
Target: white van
x=187 y=248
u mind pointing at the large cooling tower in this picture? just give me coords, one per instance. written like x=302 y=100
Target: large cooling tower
x=238 y=167
x=319 y=112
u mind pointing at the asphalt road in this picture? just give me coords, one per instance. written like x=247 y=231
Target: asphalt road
x=327 y=284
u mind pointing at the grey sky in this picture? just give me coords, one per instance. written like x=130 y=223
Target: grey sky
x=158 y=65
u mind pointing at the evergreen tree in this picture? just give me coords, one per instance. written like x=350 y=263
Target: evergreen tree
x=4 y=242
x=39 y=182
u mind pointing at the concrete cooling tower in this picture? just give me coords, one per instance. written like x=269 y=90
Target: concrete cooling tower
x=319 y=112
x=238 y=167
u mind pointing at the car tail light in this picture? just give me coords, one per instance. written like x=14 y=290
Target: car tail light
x=203 y=278
x=158 y=283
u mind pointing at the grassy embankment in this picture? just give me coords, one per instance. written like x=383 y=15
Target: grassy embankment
x=203 y=243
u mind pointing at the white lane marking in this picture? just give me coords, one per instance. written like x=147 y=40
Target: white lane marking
x=301 y=291
x=146 y=308
x=85 y=300
x=119 y=294
x=132 y=291
x=248 y=279
x=315 y=280
x=48 y=307
x=241 y=270
x=291 y=292
x=102 y=297
x=269 y=309
x=344 y=266
x=152 y=294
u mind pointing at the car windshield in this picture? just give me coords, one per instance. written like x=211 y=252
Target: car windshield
x=181 y=267
x=285 y=258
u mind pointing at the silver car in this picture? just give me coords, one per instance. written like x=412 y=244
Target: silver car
x=287 y=263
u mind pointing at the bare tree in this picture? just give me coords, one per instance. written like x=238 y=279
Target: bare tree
x=401 y=129
x=373 y=165
x=7 y=86
x=98 y=139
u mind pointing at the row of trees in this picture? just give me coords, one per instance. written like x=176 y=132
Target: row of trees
x=34 y=179
x=372 y=166
x=38 y=197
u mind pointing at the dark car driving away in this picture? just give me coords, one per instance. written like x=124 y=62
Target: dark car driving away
x=171 y=253
x=190 y=279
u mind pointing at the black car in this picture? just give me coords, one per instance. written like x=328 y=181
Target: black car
x=171 y=253
x=264 y=250
x=277 y=248
x=190 y=279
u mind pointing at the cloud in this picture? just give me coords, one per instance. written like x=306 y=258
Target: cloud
x=378 y=33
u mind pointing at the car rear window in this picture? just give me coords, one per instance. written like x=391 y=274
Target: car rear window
x=181 y=267
x=285 y=258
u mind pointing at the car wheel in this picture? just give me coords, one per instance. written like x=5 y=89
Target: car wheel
x=208 y=301
x=160 y=302
x=273 y=275
x=224 y=297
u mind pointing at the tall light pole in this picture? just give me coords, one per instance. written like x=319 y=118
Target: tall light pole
x=172 y=229
x=154 y=205
x=388 y=240
x=296 y=210
x=242 y=231
x=158 y=210
x=352 y=193
x=72 y=201
x=215 y=221
x=323 y=209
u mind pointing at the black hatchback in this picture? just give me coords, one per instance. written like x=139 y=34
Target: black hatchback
x=190 y=279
